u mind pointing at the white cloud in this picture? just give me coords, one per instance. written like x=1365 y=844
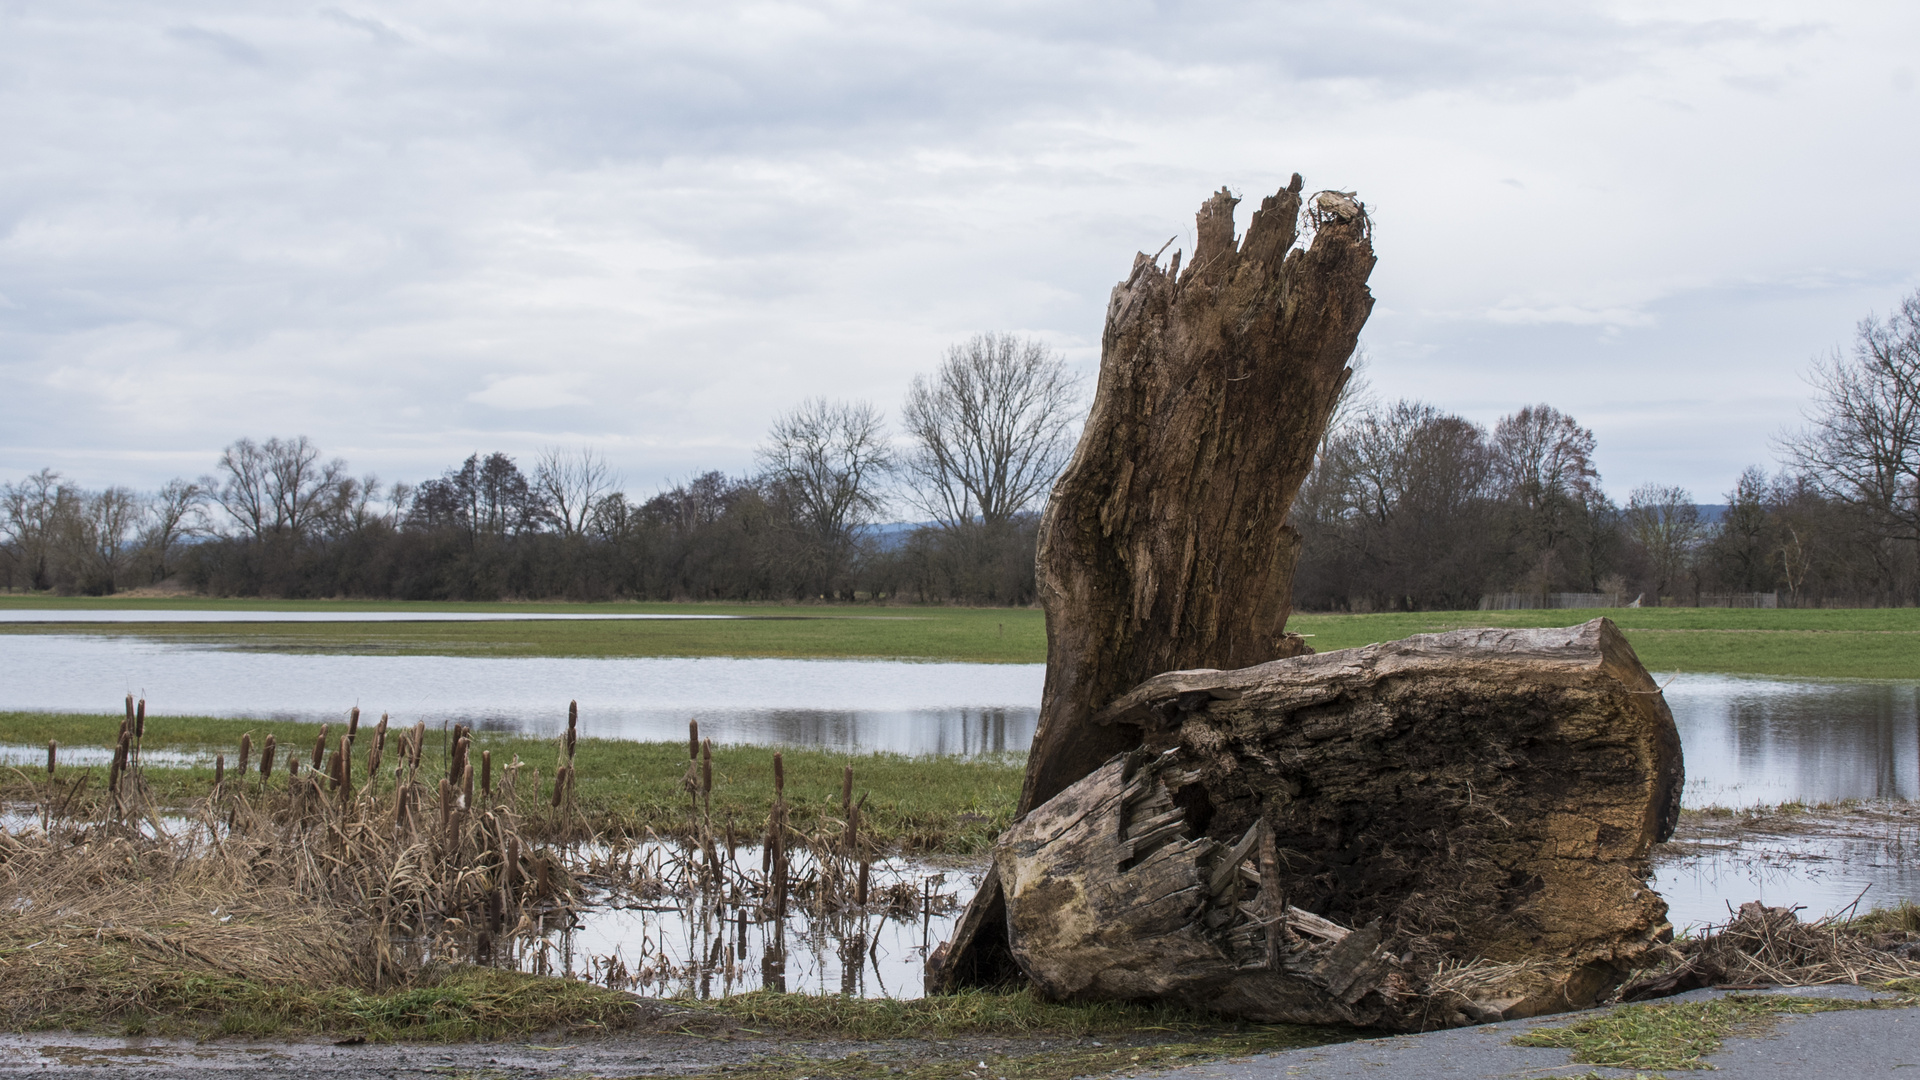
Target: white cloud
x=237 y=218
x=516 y=392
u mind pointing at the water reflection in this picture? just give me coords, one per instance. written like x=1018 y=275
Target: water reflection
x=1757 y=742
x=848 y=705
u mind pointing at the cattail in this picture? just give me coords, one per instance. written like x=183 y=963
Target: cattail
x=373 y=759
x=119 y=767
x=345 y=756
x=53 y=755
x=559 y=785
x=219 y=769
x=466 y=786
x=266 y=760
x=140 y=719
x=693 y=740
x=246 y=755
x=400 y=807
x=129 y=724
x=779 y=777
x=419 y=739
x=706 y=771
x=293 y=767
x=486 y=773
x=353 y=723
x=510 y=873
x=573 y=726
x=446 y=804
x=319 y=747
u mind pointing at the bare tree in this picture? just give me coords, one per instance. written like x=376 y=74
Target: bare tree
x=174 y=512
x=1665 y=523
x=572 y=484
x=1543 y=462
x=992 y=429
x=1862 y=440
x=103 y=539
x=279 y=488
x=829 y=458
x=33 y=515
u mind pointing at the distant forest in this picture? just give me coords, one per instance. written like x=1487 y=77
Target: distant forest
x=1408 y=508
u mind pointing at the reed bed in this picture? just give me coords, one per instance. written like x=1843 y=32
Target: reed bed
x=367 y=862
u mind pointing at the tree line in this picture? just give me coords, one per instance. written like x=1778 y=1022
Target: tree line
x=1408 y=508
x=1412 y=508
x=983 y=437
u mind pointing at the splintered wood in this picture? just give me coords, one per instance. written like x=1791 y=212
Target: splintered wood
x=1448 y=829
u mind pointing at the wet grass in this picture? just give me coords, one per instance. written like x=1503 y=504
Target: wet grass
x=921 y=804
x=853 y=631
x=1679 y=1035
x=1880 y=643
x=1868 y=643
x=464 y=1004
x=1064 y=1063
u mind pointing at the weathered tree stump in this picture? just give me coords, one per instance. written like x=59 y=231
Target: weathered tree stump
x=1447 y=829
x=1164 y=545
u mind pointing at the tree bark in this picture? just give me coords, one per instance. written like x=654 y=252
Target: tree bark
x=1165 y=544
x=1448 y=829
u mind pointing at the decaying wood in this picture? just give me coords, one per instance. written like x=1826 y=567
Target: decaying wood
x=1442 y=830
x=1164 y=545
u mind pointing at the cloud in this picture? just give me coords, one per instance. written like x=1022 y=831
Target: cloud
x=245 y=218
x=521 y=392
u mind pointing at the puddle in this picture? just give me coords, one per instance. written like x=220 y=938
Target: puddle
x=1823 y=862
x=717 y=942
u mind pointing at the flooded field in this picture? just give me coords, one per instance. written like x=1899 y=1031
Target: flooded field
x=1748 y=743
x=849 y=705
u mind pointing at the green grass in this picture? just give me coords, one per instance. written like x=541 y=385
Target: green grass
x=1878 y=643
x=1870 y=643
x=1680 y=1035
x=951 y=805
x=462 y=1004
x=982 y=635
x=1130 y=1058
x=1137 y=1038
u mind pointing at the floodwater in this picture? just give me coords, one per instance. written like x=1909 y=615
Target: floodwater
x=1823 y=862
x=711 y=944
x=1760 y=742
x=1748 y=742
x=847 y=705
x=30 y=615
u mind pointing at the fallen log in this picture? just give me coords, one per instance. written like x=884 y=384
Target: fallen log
x=1449 y=829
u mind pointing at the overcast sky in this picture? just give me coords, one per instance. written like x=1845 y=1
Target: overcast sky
x=412 y=231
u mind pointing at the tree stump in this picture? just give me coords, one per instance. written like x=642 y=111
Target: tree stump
x=1448 y=829
x=1164 y=545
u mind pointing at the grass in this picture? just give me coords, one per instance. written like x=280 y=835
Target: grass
x=466 y=1003
x=1878 y=643
x=979 y=635
x=948 y=805
x=1046 y=1064
x=1680 y=1035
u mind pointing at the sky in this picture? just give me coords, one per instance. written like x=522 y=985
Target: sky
x=416 y=230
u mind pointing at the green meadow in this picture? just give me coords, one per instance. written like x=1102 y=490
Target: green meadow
x=1882 y=643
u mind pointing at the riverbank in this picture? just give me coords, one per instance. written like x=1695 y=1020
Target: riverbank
x=1873 y=643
